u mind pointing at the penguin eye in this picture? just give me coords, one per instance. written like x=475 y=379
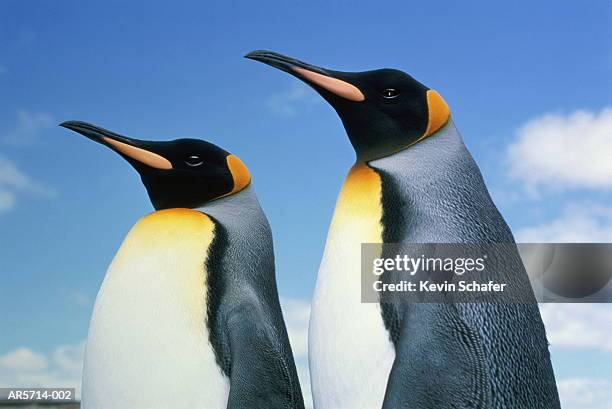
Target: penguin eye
x=193 y=161
x=390 y=93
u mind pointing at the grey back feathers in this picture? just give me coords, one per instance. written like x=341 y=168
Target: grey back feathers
x=497 y=354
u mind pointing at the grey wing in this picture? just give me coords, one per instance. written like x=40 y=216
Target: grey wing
x=439 y=362
x=247 y=330
x=262 y=373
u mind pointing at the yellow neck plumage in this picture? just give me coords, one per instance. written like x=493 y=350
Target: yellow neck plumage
x=358 y=211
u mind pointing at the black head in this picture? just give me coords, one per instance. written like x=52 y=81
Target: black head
x=184 y=173
x=383 y=111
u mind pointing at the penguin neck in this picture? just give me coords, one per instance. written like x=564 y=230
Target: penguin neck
x=241 y=208
x=438 y=166
x=434 y=191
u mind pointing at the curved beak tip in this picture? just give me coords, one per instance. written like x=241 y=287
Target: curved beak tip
x=74 y=125
x=67 y=124
x=268 y=57
x=253 y=54
x=86 y=129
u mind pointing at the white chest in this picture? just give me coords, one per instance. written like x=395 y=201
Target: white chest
x=350 y=351
x=148 y=341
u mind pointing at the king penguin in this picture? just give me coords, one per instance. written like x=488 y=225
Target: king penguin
x=414 y=181
x=188 y=314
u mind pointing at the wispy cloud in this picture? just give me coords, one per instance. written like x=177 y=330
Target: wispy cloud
x=81 y=299
x=579 y=222
x=7 y=200
x=291 y=101
x=14 y=182
x=297 y=315
x=559 y=152
x=578 y=326
x=585 y=393
x=28 y=127
x=23 y=359
x=23 y=367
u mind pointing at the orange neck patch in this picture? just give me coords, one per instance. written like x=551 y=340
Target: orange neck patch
x=358 y=211
x=438 y=112
x=240 y=173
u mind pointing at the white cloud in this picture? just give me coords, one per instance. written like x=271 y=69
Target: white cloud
x=28 y=127
x=13 y=182
x=7 y=200
x=578 y=326
x=297 y=315
x=23 y=367
x=23 y=359
x=578 y=223
x=304 y=376
x=290 y=102
x=81 y=299
x=69 y=358
x=585 y=393
x=11 y=176
x=564 y=151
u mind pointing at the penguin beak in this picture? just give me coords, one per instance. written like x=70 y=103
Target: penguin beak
x=321 y=79
x=134 y=150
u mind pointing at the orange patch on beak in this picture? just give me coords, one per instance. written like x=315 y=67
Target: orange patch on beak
x=334 y=85
x=141 y=155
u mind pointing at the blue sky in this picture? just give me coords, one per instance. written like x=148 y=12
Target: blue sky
x=512 y=74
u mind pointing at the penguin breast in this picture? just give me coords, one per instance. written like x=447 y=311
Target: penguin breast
x=148 y=341
x=350 y=351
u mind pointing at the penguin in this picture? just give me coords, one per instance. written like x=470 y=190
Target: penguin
x=188 y=314
x=413 y=181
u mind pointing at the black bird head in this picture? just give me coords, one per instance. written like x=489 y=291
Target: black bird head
x=184 y=173
x=383 y=111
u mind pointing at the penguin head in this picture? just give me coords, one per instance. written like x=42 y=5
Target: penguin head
x=383 y=111
x=184 y=173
